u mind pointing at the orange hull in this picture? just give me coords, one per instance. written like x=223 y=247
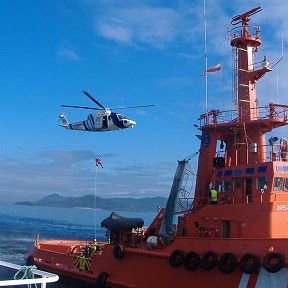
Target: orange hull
x=146 y=267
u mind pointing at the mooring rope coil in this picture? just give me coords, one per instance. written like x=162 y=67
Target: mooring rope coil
x=27 y=274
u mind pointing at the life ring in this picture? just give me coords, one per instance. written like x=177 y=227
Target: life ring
x=118 y=251
x=227 y=263
x=192 y=261
x=249 y=263
x=75 y=248
x=101 y=280
x=273 y=262
x=177 y=258
x=208 y=260
x=30 y=261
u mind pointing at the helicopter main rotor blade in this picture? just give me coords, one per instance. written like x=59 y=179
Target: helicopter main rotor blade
x=132 y=107
x=94 y=100
x=81 y=107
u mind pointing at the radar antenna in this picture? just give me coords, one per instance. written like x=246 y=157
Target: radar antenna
x=244 y=18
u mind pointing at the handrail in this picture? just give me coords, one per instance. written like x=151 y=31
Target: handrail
x=216 y=117
x=228 y=198
x=46 y=277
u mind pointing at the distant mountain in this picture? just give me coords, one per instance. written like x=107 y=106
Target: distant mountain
x=87 y=201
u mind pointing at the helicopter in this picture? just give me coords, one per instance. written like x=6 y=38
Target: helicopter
x=101 y=121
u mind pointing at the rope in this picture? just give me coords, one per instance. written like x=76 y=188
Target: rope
x=27 y=274
x=95 y=189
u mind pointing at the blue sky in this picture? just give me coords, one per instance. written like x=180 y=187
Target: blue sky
x=124 y=53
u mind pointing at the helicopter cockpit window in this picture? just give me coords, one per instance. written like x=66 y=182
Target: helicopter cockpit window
x=120 y=117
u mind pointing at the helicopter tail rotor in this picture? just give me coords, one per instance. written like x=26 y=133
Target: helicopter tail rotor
x=64 y=120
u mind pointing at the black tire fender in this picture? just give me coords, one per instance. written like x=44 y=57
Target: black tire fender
x=118 y=251
x=249 y=263
x=276 y=266
x=30 y=261
x=176 y=258
x=209 y=260
x=192 y=261
x=227 y=263
x=101 y=280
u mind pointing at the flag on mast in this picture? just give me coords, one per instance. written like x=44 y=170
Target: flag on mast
x=98 y=162
x=213 y=69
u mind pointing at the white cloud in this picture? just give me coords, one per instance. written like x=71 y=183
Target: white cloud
x=115 y=32
x=66 y=51
x=142 y=25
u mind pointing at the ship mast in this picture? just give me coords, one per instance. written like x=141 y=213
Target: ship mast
x=247 y=129
x=245 y=44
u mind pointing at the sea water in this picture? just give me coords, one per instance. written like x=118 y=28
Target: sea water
x=19 y=226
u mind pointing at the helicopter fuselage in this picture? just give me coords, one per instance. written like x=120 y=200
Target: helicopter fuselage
x=99 y=121
x=103 y=120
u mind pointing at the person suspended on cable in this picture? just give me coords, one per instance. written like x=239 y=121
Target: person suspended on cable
x=98 y=162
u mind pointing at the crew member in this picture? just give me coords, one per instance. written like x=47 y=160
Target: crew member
x=94 y=246
x=213 y=196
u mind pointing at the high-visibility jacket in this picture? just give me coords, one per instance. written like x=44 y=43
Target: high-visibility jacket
x=213 y=195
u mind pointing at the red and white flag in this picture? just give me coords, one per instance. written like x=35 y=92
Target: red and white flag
x=213 y=69
x=98 y=162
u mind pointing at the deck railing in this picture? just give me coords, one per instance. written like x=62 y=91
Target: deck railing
x=216 y=117
x=229 y=198
x=42 y=277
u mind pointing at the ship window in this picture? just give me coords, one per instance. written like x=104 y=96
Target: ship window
x=226 y=229
x=218 y=186
x=262 y=182
x=250 y=170
x=279 y=168
x=227 y=186
x=228 y=173
x=262 y=169
x=238 y=183
x=286 y=184
x=238 y=172
x=219 y=173
x=278 y=183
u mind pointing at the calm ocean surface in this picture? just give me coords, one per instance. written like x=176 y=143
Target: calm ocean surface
x=20 y=224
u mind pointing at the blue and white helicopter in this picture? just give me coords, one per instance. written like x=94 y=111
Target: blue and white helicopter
x=104 y=120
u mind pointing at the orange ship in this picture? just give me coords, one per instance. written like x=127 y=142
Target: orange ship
x=239 y=239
